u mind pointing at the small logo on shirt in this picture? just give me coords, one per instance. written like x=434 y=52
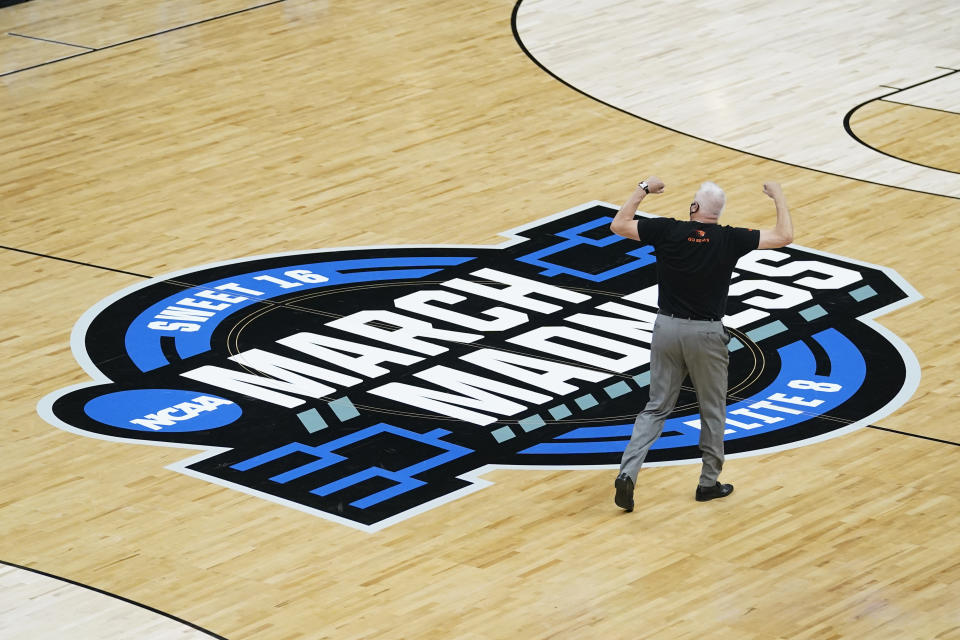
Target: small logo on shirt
x=700 y=233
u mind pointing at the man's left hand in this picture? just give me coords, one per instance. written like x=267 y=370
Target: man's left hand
x=655 y=184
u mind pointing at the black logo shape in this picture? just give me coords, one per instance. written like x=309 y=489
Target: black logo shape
x=367 y=385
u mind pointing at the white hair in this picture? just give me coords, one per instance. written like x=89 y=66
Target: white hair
x=711 y=199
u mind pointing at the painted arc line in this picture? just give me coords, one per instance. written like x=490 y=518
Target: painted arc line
x=710 y=87
x=38 y=605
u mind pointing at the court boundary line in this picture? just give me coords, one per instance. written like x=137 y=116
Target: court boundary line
x=526 y=52
x=137 y=39
x=913 y=435
x=78 y=262
x=115 y=596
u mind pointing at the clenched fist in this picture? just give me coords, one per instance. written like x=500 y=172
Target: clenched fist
x=772 y=189
x=655 y=184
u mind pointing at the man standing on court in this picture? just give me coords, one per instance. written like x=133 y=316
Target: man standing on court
x=695 y=260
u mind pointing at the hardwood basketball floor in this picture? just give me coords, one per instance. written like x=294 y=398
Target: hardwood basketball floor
x=136 y=148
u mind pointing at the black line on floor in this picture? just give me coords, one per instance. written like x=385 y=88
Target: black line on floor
x=150 y=35
x=849 y=129
x=920 y=106
x=914 y=435
x=83 y=264
x=827 y=416
x=526 y=52
x=118 y=597
x=43 y=64
x=911 y=86
x=69 y=44
x=191 y=24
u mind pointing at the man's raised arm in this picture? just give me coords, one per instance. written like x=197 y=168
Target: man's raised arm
x=782 y=233
x=624 y=223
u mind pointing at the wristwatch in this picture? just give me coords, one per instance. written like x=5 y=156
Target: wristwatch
x=643 y=185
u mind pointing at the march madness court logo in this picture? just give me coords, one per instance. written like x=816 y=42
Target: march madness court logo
x=367 y=385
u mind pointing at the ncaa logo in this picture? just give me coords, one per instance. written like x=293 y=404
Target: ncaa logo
x=367 y=385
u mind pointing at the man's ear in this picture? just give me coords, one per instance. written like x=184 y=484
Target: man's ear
x=694 y=207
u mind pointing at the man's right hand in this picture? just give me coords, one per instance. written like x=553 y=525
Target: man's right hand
x=772 y=189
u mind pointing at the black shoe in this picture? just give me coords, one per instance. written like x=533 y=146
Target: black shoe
x=716 y=491
x=624 y=487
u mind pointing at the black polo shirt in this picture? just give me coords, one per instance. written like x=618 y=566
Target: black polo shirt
x=694 y=263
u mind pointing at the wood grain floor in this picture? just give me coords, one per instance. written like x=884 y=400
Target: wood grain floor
x=688 y=71
x=300 y=125
x=913 y=133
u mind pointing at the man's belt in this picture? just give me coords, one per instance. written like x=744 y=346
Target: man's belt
x=680 y=317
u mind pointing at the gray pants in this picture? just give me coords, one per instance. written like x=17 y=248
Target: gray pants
x=678 y=347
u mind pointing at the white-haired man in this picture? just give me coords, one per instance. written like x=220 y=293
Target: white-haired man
x=695 y=260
